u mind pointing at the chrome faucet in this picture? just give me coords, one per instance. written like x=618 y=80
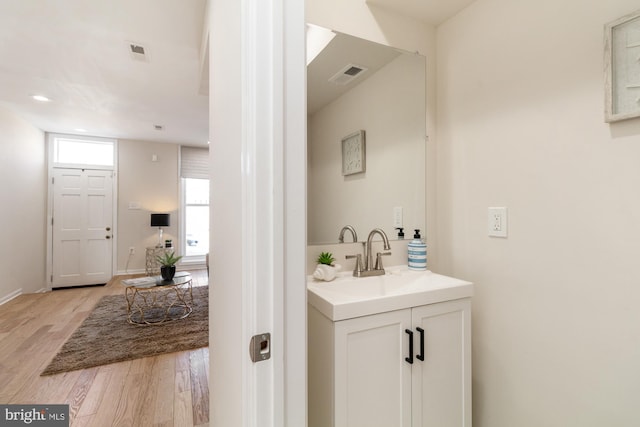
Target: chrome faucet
x=369 y=268
x=353 y=233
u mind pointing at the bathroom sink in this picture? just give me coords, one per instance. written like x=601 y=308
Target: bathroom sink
x=346 y=296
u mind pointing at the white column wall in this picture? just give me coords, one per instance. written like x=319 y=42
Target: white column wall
x=556 y=316
x=24 y=214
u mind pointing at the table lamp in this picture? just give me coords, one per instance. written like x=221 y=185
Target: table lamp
x=160 y=220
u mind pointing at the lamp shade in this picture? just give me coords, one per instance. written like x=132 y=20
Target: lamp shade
x=160 y=220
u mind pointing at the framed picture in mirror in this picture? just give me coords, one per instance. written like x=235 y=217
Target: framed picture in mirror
x=353 y=153
x=622 y=68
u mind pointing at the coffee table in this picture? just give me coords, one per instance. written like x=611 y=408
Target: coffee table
x=153 y=300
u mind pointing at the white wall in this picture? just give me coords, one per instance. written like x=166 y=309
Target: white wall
x=23 y=213
x=153 y=184
x=389 y=106
x=556 y=321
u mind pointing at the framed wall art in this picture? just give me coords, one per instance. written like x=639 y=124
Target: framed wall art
x=622 y=68
x=353 y=153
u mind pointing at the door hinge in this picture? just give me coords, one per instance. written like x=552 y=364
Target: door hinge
x=51 y=220
x=52 y=278
x=53 y=180
x=260 y=347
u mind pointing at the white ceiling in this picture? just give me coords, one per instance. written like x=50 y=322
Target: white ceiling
x=340 y=52
x=432 y=12
x=77 y=53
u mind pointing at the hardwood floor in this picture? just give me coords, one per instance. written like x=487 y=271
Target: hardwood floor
x=166 y=390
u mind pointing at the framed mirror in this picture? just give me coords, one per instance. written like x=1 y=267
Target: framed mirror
x=356 y=85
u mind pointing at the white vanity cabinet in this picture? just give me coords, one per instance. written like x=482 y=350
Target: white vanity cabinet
x=363 y=371
x=441 y=384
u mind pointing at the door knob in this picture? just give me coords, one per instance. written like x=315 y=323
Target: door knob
x=108 y=228
x=108 y=237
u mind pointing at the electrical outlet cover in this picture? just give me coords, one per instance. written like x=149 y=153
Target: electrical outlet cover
x=497 y=222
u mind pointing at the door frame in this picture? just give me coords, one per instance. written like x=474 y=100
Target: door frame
x=257 y=130
x=50 y=137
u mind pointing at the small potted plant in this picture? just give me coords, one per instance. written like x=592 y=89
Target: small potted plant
x=325 y=258
x=168 y=263
x=326 y=269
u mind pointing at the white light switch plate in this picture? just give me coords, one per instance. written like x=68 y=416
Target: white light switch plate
x=497 y=222
x=397 y=216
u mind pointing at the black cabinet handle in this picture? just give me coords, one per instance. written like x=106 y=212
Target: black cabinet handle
x=421 y=355
x=410 y=358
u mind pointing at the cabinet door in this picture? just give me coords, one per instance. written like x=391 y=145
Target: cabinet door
x=441 y=389
x=372 y=379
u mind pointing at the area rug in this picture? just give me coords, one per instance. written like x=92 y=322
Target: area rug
x=106 y=337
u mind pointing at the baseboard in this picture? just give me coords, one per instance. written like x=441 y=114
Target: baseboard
x=11 y=296
x=192 y=265
x=124 y=273
x=181 y=267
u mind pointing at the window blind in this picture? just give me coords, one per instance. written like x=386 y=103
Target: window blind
x=194 y=162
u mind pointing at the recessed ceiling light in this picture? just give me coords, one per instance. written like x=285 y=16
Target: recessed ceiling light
x=40 y=98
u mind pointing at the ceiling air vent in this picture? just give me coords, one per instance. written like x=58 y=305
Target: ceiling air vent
x=137 y=51
x=347 y=74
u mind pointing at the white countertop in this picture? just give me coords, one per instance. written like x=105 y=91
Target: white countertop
x=347 y=297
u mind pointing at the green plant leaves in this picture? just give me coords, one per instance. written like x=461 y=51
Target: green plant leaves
x=325 y=258
x=168 y=259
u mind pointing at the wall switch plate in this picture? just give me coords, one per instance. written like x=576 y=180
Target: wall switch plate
x=498 y=222
x=397 y=217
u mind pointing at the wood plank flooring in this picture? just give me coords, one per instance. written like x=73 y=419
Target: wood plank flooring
x=167 y=390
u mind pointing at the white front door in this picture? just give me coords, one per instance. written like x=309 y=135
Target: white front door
x=82 y=227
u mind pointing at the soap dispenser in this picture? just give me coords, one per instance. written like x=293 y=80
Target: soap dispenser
x=417 y=251
x=400 y=233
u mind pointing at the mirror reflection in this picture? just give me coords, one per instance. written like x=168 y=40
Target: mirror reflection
x=353 y=85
